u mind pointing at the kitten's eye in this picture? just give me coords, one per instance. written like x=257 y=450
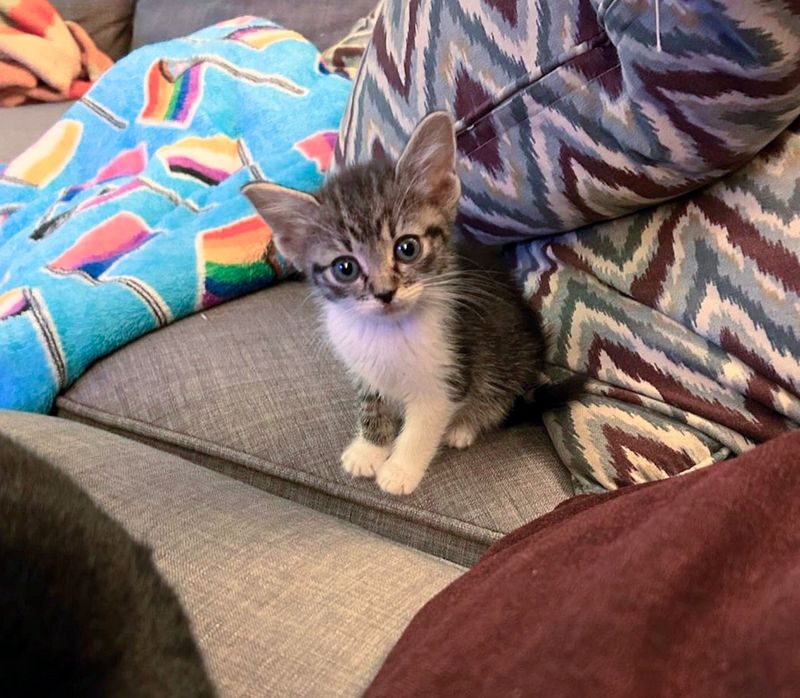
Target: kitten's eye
x=407 y=249
x=345 y=269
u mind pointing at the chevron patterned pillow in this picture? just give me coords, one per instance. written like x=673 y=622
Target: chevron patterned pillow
x=687 y=318
x=575 y=111
x=572 y=112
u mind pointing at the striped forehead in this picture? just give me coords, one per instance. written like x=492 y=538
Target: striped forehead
x=363 y=217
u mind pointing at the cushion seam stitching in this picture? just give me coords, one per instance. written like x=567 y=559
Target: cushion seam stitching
x=442 y=521
x=526 y=81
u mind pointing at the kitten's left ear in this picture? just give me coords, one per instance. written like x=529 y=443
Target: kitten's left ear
x=290 y=214
x=429 y=159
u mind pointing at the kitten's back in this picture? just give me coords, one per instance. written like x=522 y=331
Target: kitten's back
x=503 y=342
x=83 y=611
x=501 y=338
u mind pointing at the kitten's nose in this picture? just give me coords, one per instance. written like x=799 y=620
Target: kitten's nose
x=385 y=296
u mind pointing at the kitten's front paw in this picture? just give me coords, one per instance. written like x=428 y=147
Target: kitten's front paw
x=460 y=436
x=363 y=458
x=399 y=476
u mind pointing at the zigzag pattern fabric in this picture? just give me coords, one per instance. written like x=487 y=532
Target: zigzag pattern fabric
x=574 y=111
x=127 y=214
x=685 y=316
x=345 y=56
x=687 y=319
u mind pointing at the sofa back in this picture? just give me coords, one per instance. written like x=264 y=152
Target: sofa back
x=122 y=25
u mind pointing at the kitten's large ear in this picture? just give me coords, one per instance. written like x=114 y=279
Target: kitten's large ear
x=289 y=213
x=429 y=159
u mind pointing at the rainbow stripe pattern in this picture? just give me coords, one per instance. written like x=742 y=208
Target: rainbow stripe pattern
x=318 y=148
x=171 y=98
x=107 y=196
x=261 y=37
x=128 y=214
x=235 y=259
x=101 y=247
x=44 y=161
x=127 y=164
x=208 y=160
x=12 y=303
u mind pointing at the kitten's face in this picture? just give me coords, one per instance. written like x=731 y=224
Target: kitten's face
x=376 y=236
x=378 y=247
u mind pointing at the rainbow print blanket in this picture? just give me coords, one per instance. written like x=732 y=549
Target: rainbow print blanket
x=127 y=214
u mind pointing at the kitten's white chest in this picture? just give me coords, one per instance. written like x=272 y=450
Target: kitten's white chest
x=399 y=358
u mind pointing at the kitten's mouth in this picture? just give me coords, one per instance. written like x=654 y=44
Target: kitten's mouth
x=393 y=309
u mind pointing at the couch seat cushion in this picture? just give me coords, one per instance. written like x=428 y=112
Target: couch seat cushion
x=284 y=601
x=251 y=389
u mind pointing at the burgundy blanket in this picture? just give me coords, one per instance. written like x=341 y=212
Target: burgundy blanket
x=685 y=587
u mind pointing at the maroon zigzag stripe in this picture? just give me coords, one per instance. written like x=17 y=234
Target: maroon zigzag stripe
x=770 y=257
x=648 y=286
x=379 y=40
x=618 y=442
x=761 y=424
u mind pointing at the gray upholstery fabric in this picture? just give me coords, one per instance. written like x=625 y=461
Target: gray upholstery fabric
x=323 y=22
x=251 y=392
x=250 y=388
x=21 y=126
x=110 y=24
x=284 y=601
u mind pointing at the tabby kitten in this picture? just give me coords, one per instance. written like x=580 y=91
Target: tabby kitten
x=439 y=345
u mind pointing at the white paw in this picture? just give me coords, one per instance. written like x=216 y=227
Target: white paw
x=460 y=436
x=363 y=458
x=399 y=476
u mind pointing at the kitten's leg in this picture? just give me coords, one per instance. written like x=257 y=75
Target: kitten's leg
x=476 y=416
x=426 y=418
x=377 y=428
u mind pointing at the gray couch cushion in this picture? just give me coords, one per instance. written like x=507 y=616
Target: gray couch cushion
x=284 y=601
x=322 y=22
x=250 y=389
x=22 y=126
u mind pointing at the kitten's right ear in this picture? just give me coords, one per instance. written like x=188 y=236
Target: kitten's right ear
x=429 y=159
x=290 y=214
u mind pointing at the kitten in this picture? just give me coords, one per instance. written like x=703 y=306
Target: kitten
x=440 y=345
x=83 y=610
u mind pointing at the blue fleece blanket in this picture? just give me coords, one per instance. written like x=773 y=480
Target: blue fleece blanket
x=127 y=214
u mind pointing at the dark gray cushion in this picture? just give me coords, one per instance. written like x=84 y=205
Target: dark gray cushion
x=21 y=126
x=109 y=23
x=251 y=389
x=323 y=22
x=284 y=601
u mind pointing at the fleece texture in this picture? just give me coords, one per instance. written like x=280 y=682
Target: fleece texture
x=42 y=57
x=127 y=214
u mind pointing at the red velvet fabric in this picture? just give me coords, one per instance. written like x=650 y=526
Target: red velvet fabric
x=685 y=587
